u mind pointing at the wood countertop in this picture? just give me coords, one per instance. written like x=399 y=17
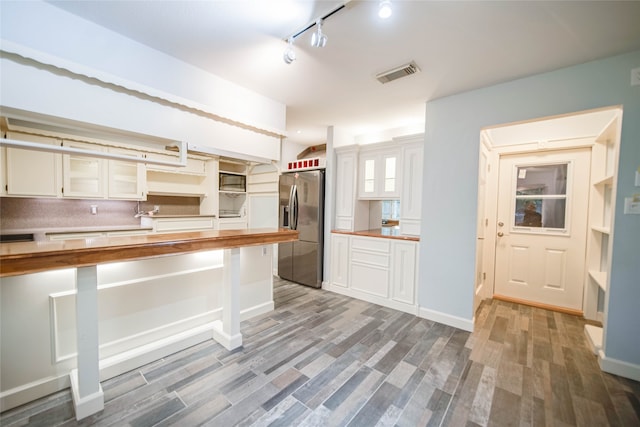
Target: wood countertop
x=32 y=257
x=386 y=233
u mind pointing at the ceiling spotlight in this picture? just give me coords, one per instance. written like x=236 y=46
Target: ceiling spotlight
x=289 y=55
x=318 y=39
x=384 y=10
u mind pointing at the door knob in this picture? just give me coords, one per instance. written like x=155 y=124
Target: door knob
x=500 y=224
x=500 y=234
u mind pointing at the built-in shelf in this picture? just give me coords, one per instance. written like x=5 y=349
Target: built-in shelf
x=600 y=277
x=594 y=336
x=603 y=230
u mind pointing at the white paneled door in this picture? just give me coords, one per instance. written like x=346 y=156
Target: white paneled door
x=542 y=225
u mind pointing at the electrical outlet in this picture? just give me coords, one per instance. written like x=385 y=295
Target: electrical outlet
x=635 y=77
x=156 y=208
x=94 y=209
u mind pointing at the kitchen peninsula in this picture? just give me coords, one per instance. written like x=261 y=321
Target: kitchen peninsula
x=23 y=263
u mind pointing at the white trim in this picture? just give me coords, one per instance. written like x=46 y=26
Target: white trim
x=108 y=78
x=86 y=405
x=256 y=310
x=618 y=367
x=31 y=391
x=447 y=319
x=371 y=298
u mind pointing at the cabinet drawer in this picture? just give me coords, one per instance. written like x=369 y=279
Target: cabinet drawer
x=380 y=260
x=371 y=244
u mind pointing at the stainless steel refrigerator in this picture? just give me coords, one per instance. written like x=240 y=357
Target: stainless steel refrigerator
x=302 y=208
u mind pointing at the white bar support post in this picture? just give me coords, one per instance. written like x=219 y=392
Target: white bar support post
x=88 y=397
x=227 y=330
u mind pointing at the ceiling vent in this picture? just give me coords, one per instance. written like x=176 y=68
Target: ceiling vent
x=398 y=72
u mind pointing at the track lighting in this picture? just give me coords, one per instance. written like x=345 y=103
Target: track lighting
x=289 y=55
x=318 y=39
x=384 y=9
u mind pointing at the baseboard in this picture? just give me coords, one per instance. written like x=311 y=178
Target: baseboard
x=373 y=299
x=447 y=319
x=257 y=310
x=26 y=393
x=619 y=367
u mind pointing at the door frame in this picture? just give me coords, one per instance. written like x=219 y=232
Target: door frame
x=488 y=208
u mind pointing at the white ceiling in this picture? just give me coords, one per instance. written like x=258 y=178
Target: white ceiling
x=459 y=45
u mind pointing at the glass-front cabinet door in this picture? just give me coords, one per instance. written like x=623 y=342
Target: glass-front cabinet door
x=378 y=174
x=83 y=176
x=368 y=185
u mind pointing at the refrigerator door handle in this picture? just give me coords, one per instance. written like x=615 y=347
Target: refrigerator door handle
x=295 y=207
x=290 y=209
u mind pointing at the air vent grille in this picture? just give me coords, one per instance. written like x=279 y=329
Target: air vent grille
x=398 y=72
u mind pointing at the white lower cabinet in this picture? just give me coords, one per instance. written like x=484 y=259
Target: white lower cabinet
x=405 y=272
x=375 y=269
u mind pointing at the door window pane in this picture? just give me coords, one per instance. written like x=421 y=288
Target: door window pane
x=541 y=196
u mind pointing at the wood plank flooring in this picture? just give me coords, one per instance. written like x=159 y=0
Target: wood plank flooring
x=322 y=359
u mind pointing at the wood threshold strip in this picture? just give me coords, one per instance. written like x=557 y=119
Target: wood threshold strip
x=565 y=310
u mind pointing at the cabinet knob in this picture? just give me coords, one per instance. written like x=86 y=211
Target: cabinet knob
x=500 y=234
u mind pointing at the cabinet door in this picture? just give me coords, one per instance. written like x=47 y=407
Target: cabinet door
x=83 y=176
x=346 y=164
x=340 y=260
x=411 y=192
x=126 y=179
x=388 y=179
x=368 y=182
x=378 y=175
x=33 y=173
x=403 y=281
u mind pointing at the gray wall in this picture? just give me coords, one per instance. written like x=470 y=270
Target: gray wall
x=453 y=124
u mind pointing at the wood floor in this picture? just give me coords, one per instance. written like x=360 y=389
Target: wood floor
x=322 y=359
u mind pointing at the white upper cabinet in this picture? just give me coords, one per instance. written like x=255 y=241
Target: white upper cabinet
x=126 y=179
x=411 y=192
x=84 y=176
x=378 y=176
x=351 y=214
x=32 y=173
x=193 y=167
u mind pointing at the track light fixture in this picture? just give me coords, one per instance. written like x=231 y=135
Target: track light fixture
x=384 y=9
x=318 y=39
x=289 y=54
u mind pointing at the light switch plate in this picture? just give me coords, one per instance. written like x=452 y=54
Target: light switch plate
x=632 y=205
x=638 y=178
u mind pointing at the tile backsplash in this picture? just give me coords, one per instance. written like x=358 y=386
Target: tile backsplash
x=36 y=213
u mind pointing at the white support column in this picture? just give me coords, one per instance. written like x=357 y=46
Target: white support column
x=88 y=397
x=227 y=330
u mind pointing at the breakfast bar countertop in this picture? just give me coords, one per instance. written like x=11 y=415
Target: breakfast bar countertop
x=31 y=257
